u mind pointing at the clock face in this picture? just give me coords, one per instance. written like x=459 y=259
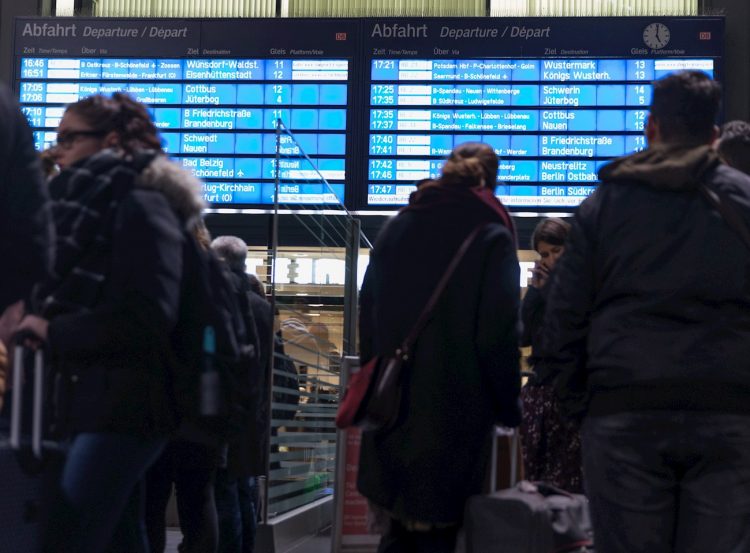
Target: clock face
x=656 y=35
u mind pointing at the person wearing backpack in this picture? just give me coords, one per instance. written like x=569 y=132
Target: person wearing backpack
x=648 y=324
x=190 y=465
x=214 y=352
x=119 y=208
x=236 y=487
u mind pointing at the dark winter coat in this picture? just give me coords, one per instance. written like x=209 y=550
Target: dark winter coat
x=247 y=454
x=25 y=223
x=464 y=373
x=111 y=358
x=650 y=307
x=533 y=308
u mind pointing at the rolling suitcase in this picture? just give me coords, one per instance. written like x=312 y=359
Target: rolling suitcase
x=505 y=470
x=526 y=517
x=25 y=467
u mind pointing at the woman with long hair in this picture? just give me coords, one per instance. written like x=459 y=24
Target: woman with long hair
x=119 y=209
x=463 y=374
x=551 y=444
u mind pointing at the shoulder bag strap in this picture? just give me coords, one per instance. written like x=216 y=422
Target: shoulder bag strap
x=727 y=211
x=432 y=302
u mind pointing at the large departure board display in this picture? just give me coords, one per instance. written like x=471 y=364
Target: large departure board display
x=553 y=101
x=215 y=89
x=376 y=104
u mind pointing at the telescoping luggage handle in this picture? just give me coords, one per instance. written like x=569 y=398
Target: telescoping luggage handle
x=497 y=432
x=16 y=415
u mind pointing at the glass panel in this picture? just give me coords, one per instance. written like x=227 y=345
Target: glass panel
x=330 y=271
x=385 y=8
x=403 y=8
x=308 y=290
x=178 y=8
x=579 y=8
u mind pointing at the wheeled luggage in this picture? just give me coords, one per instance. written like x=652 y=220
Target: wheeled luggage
x=527 y=517
x=25 y=469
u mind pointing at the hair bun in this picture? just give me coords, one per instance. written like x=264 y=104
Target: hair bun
x=471 y=164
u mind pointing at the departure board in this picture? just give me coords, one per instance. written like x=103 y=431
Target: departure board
x=376 y=104
x=217 y=104
x=554 y=105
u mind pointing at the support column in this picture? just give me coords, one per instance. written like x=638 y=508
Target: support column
x=736 y=70
x=350 y=288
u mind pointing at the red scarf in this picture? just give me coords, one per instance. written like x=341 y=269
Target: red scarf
x=484 y=199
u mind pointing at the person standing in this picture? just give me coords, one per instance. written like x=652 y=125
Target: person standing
x=107 y=320
x=463 y=375
x=551 y=444
x=187 y=464
x=733 y=145
x=26 y=232
x=236 y=488
x=648 y=320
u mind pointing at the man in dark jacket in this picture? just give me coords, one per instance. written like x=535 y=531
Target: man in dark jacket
x=236 y=484
x=649 y=320
x=25 y=224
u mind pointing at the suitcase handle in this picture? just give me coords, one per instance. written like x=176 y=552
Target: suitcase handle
x=36 y=430
x=498 y=431
x=16 y=416
x=16 y=413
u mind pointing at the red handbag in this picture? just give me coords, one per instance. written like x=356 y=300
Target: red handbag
x=373 y=395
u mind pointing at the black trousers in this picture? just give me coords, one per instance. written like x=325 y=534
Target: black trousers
x=668 y=482
x=192 y=468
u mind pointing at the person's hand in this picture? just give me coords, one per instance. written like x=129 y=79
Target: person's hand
x=9 y=320
x=34 y=330
x=539 y=275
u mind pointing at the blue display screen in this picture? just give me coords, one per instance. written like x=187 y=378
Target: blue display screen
x=553 y=122
x=374 y=104
x=217 y=117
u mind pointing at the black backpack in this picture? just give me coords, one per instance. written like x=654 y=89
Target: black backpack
x=211 y=357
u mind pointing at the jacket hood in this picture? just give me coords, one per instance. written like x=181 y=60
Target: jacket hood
x=182 y=190
x=664 y=166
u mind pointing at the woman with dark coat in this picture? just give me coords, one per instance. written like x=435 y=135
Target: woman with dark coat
x=464 y=374
x=551 y=444
x=119 y=209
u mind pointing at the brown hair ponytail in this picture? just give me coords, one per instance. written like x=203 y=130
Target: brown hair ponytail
x=471 y=164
